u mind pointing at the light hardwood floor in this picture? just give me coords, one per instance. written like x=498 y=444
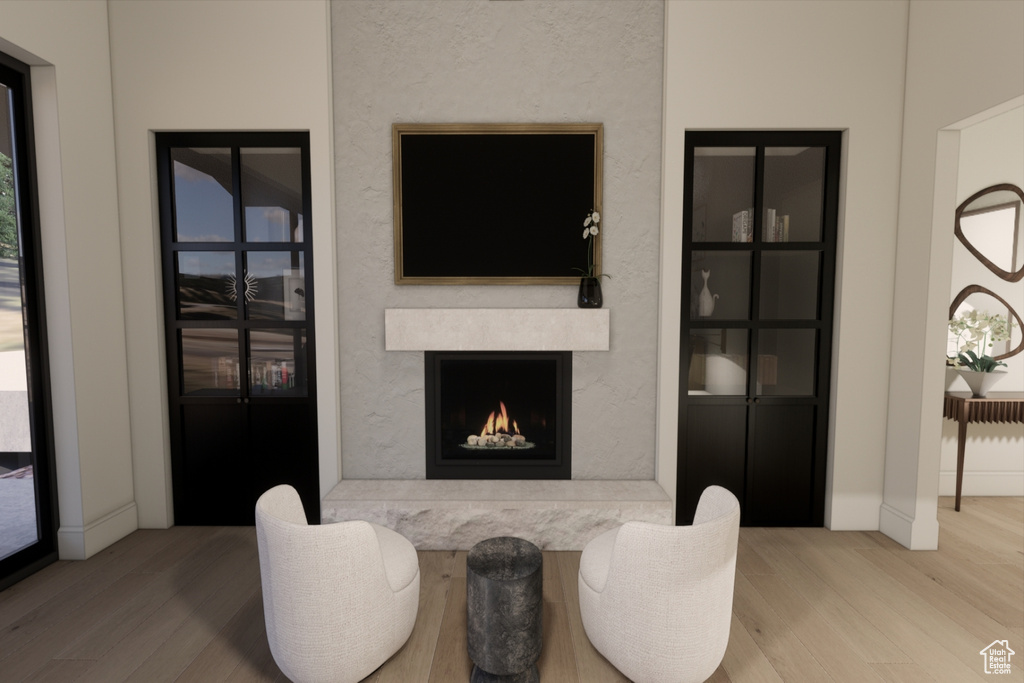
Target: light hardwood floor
x=184 y=604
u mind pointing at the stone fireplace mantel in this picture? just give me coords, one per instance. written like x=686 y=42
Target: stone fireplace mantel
x=455 y=514
x=496 y=329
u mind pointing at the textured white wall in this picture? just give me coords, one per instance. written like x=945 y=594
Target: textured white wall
x=471 y=61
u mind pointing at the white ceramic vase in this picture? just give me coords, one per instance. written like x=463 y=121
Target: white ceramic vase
x=981 y=382
x=706 y=301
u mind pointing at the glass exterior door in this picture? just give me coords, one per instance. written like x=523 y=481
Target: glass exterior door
x=27 y=498
x=759 y=250
x=237 y=258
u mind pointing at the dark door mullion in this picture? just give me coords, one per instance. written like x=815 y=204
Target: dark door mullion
x=753 y=340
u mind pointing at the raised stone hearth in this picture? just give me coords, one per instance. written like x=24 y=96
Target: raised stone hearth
x=446 y=514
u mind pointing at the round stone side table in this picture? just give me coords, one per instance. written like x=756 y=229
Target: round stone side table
x=504 y=610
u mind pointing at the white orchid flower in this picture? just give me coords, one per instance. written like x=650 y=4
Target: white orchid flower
x=593 y=229
x=586 y=232
x=596 y=216
x=586 y=222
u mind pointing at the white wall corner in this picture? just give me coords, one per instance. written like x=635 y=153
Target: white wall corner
x=920 y=533
x=56 y=291
x=325 y=286
x=82 y=542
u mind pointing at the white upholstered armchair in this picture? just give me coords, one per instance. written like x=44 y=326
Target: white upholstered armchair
x=656 y=600
x=339 y=599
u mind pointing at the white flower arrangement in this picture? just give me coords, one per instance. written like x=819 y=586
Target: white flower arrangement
x=976 y=332
x=590 y=230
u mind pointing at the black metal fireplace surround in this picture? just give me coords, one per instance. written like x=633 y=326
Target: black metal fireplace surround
x=498 y=415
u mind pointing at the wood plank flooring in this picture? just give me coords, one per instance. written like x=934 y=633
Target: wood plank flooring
x=184 y=604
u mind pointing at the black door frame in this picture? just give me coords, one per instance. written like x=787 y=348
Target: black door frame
x=17 y=77
x=233 y=140
x=819 y=402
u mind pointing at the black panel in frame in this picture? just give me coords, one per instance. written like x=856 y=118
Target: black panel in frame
x=759 y=225
x=495 y=203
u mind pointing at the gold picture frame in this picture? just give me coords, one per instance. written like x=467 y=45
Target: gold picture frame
x=495 y=204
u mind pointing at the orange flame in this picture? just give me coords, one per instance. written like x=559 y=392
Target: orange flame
x=499 y=423
x=489 y=427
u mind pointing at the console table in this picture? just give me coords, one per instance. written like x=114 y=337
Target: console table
x=1005 y=407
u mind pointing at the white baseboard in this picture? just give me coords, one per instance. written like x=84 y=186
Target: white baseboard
x=908 y=532
x=983 y=484
x=81 y=542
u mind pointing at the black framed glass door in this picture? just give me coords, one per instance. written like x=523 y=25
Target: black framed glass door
x=760 y=219
x=237 y=258
x=28 y=512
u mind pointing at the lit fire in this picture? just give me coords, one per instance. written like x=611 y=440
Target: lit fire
x=499 y=432
x=496 y=424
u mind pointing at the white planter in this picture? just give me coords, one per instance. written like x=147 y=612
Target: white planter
x=981 y=382
x=951 y=375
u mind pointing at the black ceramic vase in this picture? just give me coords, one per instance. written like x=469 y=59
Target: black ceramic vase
x=590 y=293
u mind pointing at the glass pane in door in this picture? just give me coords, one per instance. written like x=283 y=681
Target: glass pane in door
x=789 y=285
x=203 y=202
x=786 y=361
x=794 y=189
x=207 y=287
x=209 y=362
x=723 y=194
x=17 y=483
x=718 y=362
x=720 y=285
x=18 y=518
x=272 y=194
x=277 y=362
x=275 y=288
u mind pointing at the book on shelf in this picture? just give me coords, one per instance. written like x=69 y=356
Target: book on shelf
x=776 y=226
x=774 y=229
x=743 y=226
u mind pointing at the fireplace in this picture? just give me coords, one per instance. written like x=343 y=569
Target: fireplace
x=498 y=415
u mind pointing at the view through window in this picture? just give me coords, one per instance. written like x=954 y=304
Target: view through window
x=17 y=491
x=26 y=518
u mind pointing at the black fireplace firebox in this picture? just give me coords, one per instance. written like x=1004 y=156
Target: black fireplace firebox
x=499 y=415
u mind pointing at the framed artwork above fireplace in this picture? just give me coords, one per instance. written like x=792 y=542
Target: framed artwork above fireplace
x=495 y=203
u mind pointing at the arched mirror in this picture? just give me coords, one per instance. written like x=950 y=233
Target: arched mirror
x=988 y=224
x=987 y=304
